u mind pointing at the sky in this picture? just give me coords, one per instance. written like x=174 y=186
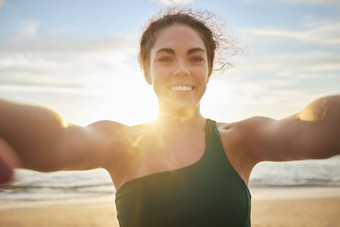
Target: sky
x=79 y=57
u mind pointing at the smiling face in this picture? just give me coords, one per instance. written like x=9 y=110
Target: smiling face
x=178 y=67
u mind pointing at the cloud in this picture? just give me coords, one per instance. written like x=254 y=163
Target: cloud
x=57 y=72
x=312 y=1
x=331 y=2
x=281 y=67
x=315 y=72
x=313 y=32
x=307 y=57
x=312 y=61
x=273 y=84
x=29 y=31
x=173 y=2
x=1 y=4
x=66 y=63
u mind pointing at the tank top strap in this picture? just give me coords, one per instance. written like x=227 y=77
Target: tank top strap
x=206 y=193
x=214 y=147
x=213 y=139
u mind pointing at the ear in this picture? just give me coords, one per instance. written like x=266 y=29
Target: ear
x=147 y=78
x=208 y=78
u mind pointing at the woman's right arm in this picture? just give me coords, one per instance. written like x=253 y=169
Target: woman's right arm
x=45 y=142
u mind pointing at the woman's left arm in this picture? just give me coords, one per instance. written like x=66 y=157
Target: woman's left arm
x=313 y=133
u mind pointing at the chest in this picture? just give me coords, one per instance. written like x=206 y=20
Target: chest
x=184 y=199
x=207 y=192
x=155 y=153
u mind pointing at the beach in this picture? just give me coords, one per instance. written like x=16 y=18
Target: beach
x=302 y=206
x=296 y=207
x=82 y=212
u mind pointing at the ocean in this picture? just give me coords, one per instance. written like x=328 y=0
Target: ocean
x=32 y=186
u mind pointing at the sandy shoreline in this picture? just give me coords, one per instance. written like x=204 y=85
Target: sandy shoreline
x=296 y=207
x=270 y=207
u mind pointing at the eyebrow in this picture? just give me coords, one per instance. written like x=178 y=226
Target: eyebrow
x=167 y=50
x=171 y=51
x=193 y=50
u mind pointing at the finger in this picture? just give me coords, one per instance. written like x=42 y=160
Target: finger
x=8 y=155
x=8 y=161
x=6 y=172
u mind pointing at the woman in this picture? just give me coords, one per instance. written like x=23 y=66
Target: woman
x=182 y=169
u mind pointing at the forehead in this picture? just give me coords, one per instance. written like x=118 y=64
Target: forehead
x=178 y=36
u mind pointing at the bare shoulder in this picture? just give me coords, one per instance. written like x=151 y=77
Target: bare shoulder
x=248 y=129
x=247 y=137
x=267 y=139
x=229 y=136
x=240 y=141
x=246 y=124
x=116 y=135
x=107 y=128
x=119 y=139
x=100 y=144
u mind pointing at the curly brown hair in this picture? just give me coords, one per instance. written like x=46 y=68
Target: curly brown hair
x=210 y=28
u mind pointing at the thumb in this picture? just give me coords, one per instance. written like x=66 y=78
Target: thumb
x=6 y=172
x=8 y=161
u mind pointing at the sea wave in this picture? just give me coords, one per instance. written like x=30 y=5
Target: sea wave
x=66 y=185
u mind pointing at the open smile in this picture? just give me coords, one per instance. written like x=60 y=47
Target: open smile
x=181 y=88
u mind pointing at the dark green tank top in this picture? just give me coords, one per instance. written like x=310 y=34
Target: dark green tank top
x=206 y=193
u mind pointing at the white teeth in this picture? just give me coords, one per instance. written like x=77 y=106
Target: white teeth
x=181 y=88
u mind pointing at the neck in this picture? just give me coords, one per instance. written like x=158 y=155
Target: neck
x=186 y=119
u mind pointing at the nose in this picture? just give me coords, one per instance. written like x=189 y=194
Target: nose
x=181 y=69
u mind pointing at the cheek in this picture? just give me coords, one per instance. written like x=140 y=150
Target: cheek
x=203 y=73
x=153 y=69
x=158 y=73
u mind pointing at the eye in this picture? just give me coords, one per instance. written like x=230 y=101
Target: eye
x=165 y=59
x=196 y=59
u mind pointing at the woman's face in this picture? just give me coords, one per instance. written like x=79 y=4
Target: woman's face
x=178 y=67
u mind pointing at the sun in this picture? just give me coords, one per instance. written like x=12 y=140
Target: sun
x=126 y=99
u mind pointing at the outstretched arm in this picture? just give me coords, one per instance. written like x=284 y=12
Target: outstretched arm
x=45 y=142
x=313 y=133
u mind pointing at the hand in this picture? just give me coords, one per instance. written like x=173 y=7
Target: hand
x=8 y=161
